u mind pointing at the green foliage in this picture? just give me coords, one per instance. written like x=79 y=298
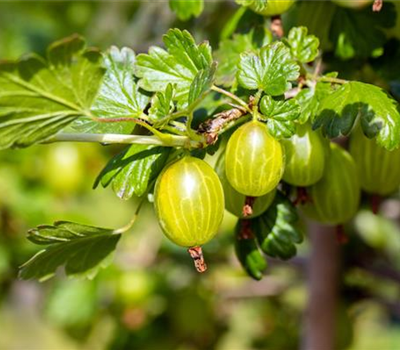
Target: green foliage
x=230 y=49
x=304 y=47
x=278 y=229
x=280 y=115
x=82 y=249
x=41 y=96
x=168 y=92
x=119 y=95
x=134 y=170
x=310 y=99
x=257 y=5
x=162 y=104
x=348 y=24
x=178 y=65
x=271 y=70
x=247 y=251
x=377 y=112
x=186 y=9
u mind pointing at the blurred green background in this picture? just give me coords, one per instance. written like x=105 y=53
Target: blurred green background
x=151 y=297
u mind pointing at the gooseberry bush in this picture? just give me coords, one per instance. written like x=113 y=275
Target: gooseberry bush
x=261 y=104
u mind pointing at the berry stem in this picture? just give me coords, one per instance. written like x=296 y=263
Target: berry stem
x=196 y=254
x=248 y=206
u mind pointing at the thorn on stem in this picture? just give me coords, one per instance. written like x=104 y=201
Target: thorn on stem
x=196 y=254
x=248 y=206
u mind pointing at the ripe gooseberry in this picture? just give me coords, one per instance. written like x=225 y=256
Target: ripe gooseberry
x=336 y=197
x=189 y=202
x=254 y=160
x=305 y=157
x=235 y=201
x=378 y=169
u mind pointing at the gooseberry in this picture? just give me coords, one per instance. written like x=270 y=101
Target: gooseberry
x=254 y=162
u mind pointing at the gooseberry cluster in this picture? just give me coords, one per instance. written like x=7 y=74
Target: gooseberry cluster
x=252 y=171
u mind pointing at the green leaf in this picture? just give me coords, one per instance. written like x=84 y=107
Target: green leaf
x=271 y=70
x=280 y=115
x=304 y=47
x=202 y=83
x=133 y=171
x=162 y=105
x=119 y=96
x=229 y=51
x=309 y=100
x=256 y=5
x=178 y=65
x=377 y=112
x=278 y=229
x=359 y=33
x=39 y=97
x=185 y=9
x=81 y=249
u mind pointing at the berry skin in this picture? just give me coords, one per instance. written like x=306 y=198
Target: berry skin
x=305 y=157
x=235 y=201
x=189 y=202
x=254 y=162
x=336 y=197
x=378 y=169
x=272 y=8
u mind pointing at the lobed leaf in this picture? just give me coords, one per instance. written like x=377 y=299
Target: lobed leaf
x=81 y=249
x=162 y=105
x=179 y=65
x=280 y=115
x=229 y=51
x=304 y=47
x=133 y=171
x=186 y=9
x=377 y=112
x=119 y=95
x=202 y=83
x=270 y=70
x=310 y=99
x=278 y=229
x=39 y=97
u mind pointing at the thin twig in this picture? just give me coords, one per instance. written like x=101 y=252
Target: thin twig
x=170 y=141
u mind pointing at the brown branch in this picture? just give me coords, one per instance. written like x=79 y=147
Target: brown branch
x=212 y=127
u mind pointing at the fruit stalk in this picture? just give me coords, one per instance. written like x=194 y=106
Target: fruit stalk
x=196 y=254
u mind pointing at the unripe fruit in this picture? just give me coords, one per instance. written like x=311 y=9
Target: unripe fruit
x=353 y=4
x=336 y=197
x=273 y=7
x=254 y=160
x=305 y=157
x=378 y=169
x=64 y=170
x=235 y=201
x=189 y=202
